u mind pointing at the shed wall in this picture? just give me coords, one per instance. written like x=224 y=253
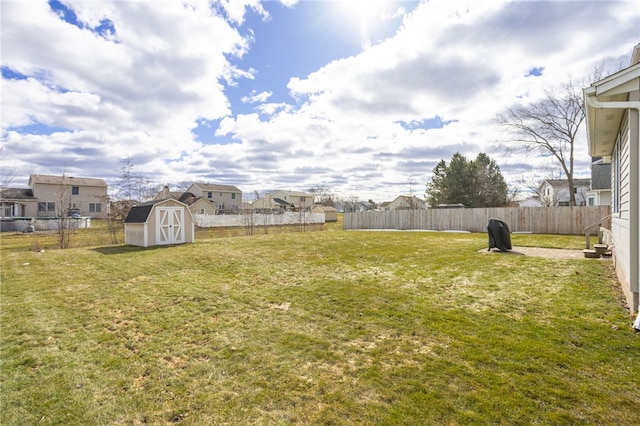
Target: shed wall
x=134 y=234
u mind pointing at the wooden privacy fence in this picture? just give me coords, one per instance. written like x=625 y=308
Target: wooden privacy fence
x=537 y=220
x=256 y=219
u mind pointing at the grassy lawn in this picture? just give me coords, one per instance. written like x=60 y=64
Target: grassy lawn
x=331 y=327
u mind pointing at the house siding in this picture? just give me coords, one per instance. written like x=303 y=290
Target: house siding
x=87 y=196
x=136 y=234
x=620 y=221
x=301 y=200
x=225 y=197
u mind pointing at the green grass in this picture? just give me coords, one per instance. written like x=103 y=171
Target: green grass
x=333 y=327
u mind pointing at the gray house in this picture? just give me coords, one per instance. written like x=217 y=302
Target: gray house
x=600 y=192
x=612 y=107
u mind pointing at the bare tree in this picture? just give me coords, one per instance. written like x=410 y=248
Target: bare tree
x=66 y=223
x=549 y=126
x=322 y=196
x=535 y=187
x=134 y=187
x=8 y=173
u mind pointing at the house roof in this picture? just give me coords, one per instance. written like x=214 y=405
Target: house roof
x=16 y=194
x=193 y=199
x=561 y=183
x=325 y=208
x=66 y=180
x=603 y=123
x=216 y=187
x=293 y=193
x=280 y=201
x=409 y=199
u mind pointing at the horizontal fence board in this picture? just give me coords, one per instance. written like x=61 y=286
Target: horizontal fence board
x=232 y=220
x=537 y=220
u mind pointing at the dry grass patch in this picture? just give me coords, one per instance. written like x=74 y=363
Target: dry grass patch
x=318 y=328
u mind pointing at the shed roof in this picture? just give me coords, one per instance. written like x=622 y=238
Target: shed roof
x=140 y=213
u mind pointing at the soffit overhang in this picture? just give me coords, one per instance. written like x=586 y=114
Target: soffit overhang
x=603 y=124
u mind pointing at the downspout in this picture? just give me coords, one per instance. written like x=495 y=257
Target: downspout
x=634 y=186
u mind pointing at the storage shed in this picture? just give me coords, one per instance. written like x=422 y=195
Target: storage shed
x=159 y=222
x=330 y=213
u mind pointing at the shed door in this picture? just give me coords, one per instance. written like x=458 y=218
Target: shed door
x=170 y=222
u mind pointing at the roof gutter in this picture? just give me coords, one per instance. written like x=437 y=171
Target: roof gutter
x=634 y=179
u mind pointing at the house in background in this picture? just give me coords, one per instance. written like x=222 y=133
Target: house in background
x=197 y=205
x=16 y=202
x=405 y=202
x=612 y=107
x=555 y=192
x=269 y=203
x=85 y=196
x=285 y=201
x=225 y=197
x=599 y=193
x=533 y=201
x=297 y=199
x=354 y=206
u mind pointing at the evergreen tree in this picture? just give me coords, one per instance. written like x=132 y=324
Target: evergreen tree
x=476 y=183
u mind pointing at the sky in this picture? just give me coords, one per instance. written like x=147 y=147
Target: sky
x=362 y=98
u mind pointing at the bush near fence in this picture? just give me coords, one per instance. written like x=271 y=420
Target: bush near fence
x=537 y=220
x=257 y=219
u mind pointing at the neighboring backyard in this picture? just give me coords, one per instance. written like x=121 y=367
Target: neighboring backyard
x=327 y=327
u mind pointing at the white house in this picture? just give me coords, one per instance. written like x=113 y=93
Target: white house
x=612 y=108
x=555 y=192
x=531 y=202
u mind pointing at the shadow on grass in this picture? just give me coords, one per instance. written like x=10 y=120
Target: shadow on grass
x=128 y=249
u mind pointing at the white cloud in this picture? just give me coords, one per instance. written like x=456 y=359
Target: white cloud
x=257 y=97
x=139 y=92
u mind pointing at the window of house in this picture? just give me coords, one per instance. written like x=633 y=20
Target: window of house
x=75 y=190
x=233 y=196
x=615 y=190
x=46 y=207
x=201 y=211
x=591 y=201
x=209 y=194
x=303 y=199
x=95 y=207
